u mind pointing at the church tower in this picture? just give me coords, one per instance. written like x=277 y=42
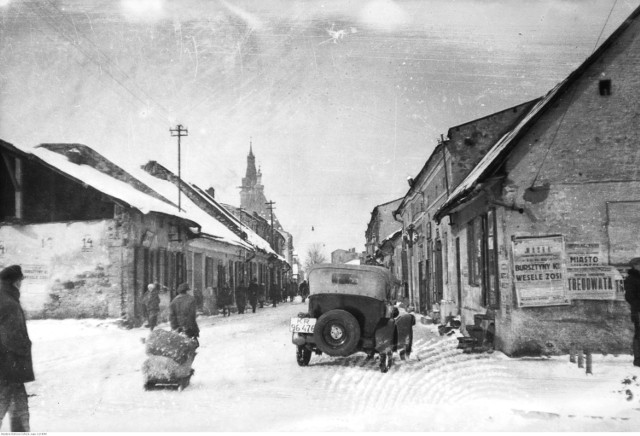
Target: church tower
x=252 y=197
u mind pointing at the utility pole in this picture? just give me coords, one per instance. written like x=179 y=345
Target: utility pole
x=179 y=131
x=270 y=207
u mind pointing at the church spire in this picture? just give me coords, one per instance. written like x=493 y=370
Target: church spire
x=250 y=146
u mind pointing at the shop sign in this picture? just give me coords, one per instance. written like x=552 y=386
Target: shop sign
x=539 y=271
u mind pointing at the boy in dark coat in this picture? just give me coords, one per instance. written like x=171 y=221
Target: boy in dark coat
x=632 y=295
x=182 y=313
x=16 y=367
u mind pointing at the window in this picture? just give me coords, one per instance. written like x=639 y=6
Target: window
x=605 y=87
x=344 y=279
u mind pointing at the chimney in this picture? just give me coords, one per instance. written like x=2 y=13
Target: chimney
x=211 y=192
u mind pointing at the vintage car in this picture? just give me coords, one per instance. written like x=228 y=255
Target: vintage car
x=350 y=311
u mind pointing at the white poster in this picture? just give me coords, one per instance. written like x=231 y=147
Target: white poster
x=539 y=271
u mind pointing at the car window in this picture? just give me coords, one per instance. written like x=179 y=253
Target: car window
x=344 y=279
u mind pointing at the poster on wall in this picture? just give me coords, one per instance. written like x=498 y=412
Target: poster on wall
x=587 y=277
x=539 y=271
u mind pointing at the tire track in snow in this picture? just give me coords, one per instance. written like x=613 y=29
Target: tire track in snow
x=436 y=373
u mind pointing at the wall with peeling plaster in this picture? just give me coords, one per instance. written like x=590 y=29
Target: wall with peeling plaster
x=71 y=269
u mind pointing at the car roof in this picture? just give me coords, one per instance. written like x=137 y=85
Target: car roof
x=364 y=280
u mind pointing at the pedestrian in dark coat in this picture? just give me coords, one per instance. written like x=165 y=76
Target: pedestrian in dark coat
x=262 y=296
x=16 y=367
x=241 y=297
x=304 y=290
x=632 y=295
x=226 y=299
x=275 y=294
x=254 y=291
x=151 y=301
x=182 y=313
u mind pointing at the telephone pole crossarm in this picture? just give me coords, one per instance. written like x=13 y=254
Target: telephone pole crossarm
x=179 y=132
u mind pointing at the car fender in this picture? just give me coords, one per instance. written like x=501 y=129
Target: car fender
x=404 y=325
x=386 y=336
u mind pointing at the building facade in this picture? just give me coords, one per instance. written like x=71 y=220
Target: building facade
x=546 y=223
x=343 y=256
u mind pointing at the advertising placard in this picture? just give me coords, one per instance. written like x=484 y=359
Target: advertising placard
x=587 y=277
x=539 y=271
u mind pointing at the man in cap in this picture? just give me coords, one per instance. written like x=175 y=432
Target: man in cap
x=632 y=295
x=16 y=367
x=182 y=313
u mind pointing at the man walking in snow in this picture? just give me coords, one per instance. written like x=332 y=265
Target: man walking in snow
x=16 y=367
x=241 y=297
x=182 y=313
x=254 y=291
x=304 y=290
x=632 y=295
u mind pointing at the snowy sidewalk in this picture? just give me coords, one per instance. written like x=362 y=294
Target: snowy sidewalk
x=88 y=378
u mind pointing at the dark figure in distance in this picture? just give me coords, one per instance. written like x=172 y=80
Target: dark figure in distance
x=16 y=367
x=241 y=297
x=151 y=301
x=304 y=290
x=226 y=299
x=254 y=291
x=275 y=294
x=182 y=313
x=632 y=295
x=262 y=297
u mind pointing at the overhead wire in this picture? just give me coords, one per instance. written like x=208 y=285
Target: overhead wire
x=95 y=56
x=569 y=101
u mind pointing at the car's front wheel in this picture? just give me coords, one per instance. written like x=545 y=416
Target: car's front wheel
x=337 y=333
x=303 y=355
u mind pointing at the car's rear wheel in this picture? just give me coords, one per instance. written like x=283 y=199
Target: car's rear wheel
x=337 y=333
x=303 y=355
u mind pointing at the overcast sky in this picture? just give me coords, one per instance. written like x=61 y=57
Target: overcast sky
x=343 y=99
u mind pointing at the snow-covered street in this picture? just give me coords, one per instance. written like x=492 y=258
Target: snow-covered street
x=89 y=379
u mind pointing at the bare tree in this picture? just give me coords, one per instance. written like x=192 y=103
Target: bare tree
x=314 y=256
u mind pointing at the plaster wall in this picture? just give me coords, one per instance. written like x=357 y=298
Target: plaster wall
x=71 y=269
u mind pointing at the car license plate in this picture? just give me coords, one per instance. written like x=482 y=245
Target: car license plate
x=302 y=325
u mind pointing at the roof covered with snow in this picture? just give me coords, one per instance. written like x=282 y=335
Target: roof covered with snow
x=100 y=181
x=210 y=226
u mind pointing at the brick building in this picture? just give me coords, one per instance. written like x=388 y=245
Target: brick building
x=546 y=222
